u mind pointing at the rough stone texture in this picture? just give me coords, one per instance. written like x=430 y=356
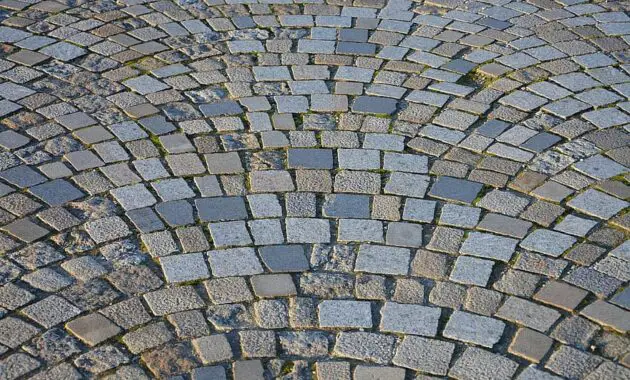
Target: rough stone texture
x=369 y=189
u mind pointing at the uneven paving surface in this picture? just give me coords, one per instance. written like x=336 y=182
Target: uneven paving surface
x=370 y=189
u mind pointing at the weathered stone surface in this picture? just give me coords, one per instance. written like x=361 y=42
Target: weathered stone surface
x=322 y=189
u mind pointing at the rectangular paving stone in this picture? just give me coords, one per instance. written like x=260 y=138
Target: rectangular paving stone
x=344 y=314
x=560 y=294
x=455 y=189
x=213 y=348
x=234 y=262
x=548 y=242
x=224 y=163
x=217 y=209
x=475 y=329
x=523 y=101
x=527 y=313
x=489 y=246
x=419 y=210
x=315 y=46
x=133 y=197
x=14 y=331
x=459 y=216
x=374 y=105
x=63 y=51
x=359 y=159
x=221 y=108
x=472 y=271
x=410 y=319
x=365 y=346
x=404 y=234
x=271 y=73
x=598 y=204
x=405 y=162
x=307 y=230
x=57 y=192
x=147 y=337
x=382 y=260
x=600 y=167
x=361 y=230
x=173 y=300
x=270 y=181
x=407 y=184
x=22 y=176
x=310 y=158
x=608 y=315
x=93 y=328
x=145 y=84
x=477 y=363
x=51 y=311
x=424 y=355
x=530 y=344
x=346 y=206
x=284 y=258
x=354 y=74
x=225 y=234
x=371 y=372
x=186 y=267
x=107 y=229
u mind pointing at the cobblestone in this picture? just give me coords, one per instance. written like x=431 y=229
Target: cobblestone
x=327 y=190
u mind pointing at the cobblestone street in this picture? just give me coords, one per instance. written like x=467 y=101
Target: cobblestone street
x=314 y=189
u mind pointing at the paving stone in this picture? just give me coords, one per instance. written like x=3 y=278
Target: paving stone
x=365 y=346
x=101 y=359
x=93 y=329
x=133 y=197
x=382 y=260
x=217 y=209
x=575 y=331
x=234 y=262
x=454 y=189
x=145 y=85
x=14 y=332
x=548 y=242
x=346 y=206
x=489 y=246
x=271 y=181
x=530 y=344
x=475 y=329
x=345 y=314
x=504 y=225
x=307 y=230
x=477 y=363
x=51 y=311
x=425 y=355
x=186 y=267
x=284 y=258
x=570 y=362
x=419 y=210
x=17 y=365
x=374 y=105
x=410 y=319
x=107 y=229
x=607 y=315
x=503 y=202
x=213 y=348
x=527 y=313
x=310 y=158
x=172 y=300
x=600 y=167
x=404 y=234
x=325 y=197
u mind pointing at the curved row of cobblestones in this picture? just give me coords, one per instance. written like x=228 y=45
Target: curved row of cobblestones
x=367 y=189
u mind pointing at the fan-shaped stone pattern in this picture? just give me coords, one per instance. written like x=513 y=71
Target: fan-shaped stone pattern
x=314 y=190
